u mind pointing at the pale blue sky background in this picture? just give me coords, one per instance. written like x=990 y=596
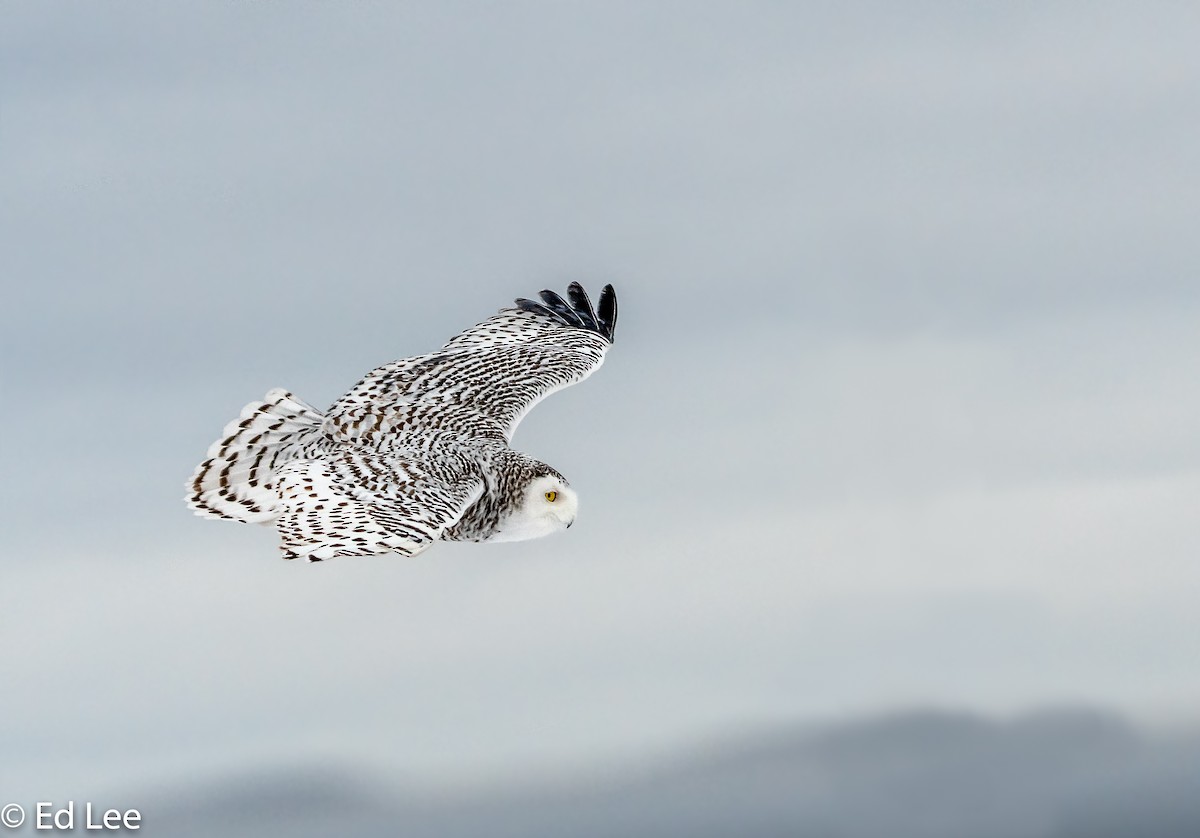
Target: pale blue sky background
x=902 y=411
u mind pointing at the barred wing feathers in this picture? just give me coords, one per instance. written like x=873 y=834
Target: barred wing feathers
x=483 y=381
x=361 y=504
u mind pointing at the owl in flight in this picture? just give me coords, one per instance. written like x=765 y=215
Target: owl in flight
x=419 y=449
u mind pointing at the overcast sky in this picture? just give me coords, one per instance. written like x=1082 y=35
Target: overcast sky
x=902 y=410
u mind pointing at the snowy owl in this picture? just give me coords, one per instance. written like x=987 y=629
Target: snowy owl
x=418 y=450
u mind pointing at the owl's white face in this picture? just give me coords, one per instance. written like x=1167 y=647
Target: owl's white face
x=548 y=506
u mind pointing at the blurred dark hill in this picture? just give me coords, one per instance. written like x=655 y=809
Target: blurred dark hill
x=1060 y=774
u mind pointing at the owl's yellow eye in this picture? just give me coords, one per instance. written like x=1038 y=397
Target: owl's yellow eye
x=551 y=496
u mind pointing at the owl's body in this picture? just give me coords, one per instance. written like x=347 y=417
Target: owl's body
x=418 y=450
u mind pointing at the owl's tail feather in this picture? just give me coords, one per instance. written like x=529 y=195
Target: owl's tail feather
x=238 y=479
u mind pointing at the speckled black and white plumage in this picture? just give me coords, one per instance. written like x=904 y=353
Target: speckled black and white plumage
x=418 y=450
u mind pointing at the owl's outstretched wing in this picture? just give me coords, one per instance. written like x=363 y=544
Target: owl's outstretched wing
x=486 y=379
x=359 y=504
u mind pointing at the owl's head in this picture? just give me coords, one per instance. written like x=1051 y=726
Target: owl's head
x=546 y=505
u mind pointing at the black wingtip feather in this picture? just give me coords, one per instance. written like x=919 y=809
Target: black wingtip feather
x=583 y=306
x=559 y=305
x=578 y=313
x=537 y=308
x=606 y=312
